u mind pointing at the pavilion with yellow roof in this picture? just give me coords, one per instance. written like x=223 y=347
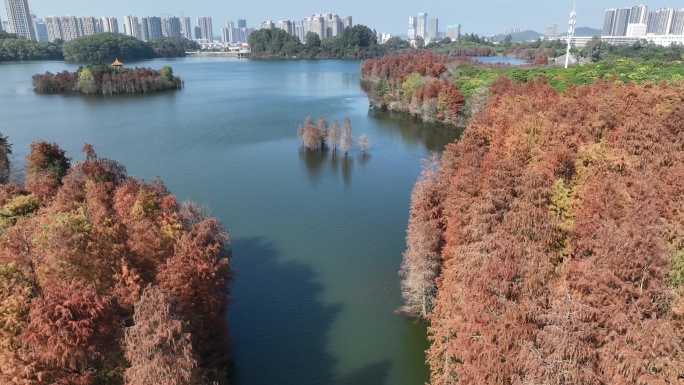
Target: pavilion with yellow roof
x=117 y=63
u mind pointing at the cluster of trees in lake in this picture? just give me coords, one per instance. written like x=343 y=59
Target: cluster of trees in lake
x=102 y=79
x=546 y=246
x=13 y=47
x=414 y=83
x=357 y=42
x=93 y=48
x=107 y=279
x=320 y=136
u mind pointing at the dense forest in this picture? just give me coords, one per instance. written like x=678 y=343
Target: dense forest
x=357 y=42
x=546 y=246
x=93 y=48
x=102 y=79
x=107 y=279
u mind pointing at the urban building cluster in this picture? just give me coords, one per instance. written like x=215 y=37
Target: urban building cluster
x=637 y=21
x=428 y=29
x=146 y=28
x=22 y=22
x=325 y=25
x=628 y=25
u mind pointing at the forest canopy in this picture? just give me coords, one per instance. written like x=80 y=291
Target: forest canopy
x=357 y=42
x=93 y=48
x=107 y=279
x=13 y=47
x=547 y=246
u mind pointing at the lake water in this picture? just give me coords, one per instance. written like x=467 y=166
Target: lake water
x=317 y=239
x=500 y=59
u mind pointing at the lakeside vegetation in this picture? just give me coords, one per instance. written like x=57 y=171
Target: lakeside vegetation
x=92 y=48
x=102 y=79
x=428 y=85
x=554 y=218
x=107 y=279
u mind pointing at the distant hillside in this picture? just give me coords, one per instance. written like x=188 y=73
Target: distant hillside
x=534 y=35
x=586 y=31
x=518 y=37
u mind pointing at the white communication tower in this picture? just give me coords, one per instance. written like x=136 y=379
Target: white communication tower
x=571 y=33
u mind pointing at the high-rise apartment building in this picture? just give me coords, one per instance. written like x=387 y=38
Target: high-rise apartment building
x=54 y=28
x=71 y=28
x=172 y=26
x=432 y=32
x=608 y=22
x=41 y=28
x=636 y=21
x=154 y=27
x=621 y=21
x=660 y=21
x=421 y=25
x=186 y=28
x=677 y=25
x=89 y=25
x=109 y=24
x=207 y=32
x=453 y=31
x=242 y=23
x=144 y=29
x=552 y=30
x=267 y=24
x=287 y=26
x=131 y=26
x=617 y=20
x=638 y=14
x=325 y=25
x=411 y=35
x=19 y=18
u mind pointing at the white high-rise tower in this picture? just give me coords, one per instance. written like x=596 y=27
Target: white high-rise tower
x=19 y=18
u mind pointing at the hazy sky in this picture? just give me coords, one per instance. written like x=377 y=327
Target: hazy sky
x=484 y=17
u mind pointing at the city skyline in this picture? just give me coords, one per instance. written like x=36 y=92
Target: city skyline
x=484 y=18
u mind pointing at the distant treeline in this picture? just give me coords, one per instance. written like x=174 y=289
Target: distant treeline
x=106 y=80
x=357 y=42
x=93 y=48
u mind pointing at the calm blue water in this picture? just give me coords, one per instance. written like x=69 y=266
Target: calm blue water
x=500 y=59
x=317 y=239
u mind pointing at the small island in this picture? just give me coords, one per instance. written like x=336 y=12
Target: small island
x=102 y=79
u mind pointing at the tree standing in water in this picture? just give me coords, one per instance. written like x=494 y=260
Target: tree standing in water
x=364 y=143
x=334 y=135
x=347 y=138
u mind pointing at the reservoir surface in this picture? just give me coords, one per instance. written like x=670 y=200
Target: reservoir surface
x=317 y=238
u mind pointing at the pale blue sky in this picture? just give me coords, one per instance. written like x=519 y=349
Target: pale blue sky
x=484 y=17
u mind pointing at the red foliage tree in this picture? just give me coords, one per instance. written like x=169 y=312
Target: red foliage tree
x=158 y=345
x=46 y=166
x=66 y=325
x=563 y=259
